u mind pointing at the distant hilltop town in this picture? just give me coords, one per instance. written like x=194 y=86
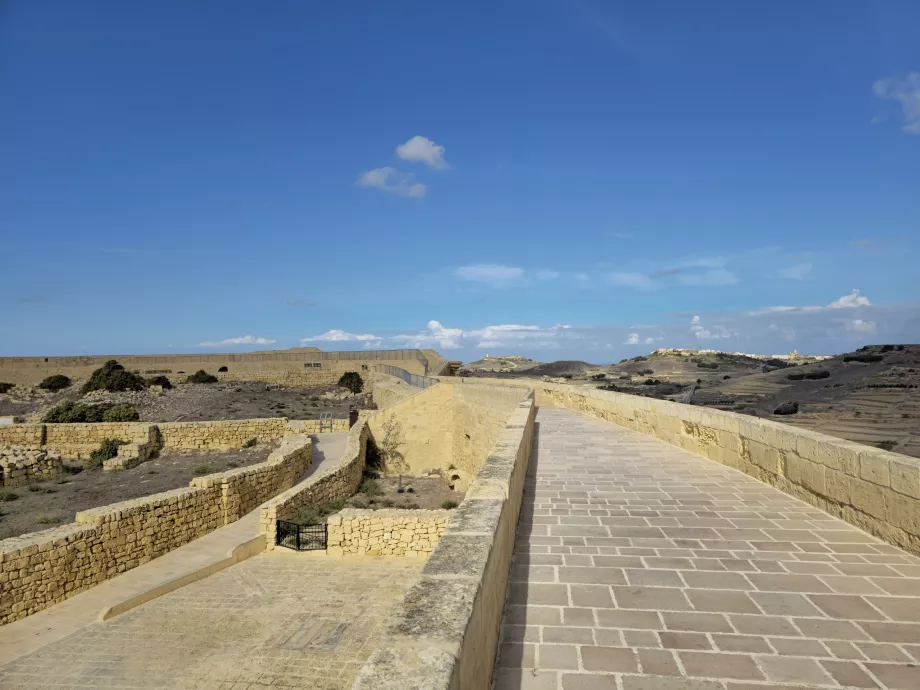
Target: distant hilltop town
x=791 y=357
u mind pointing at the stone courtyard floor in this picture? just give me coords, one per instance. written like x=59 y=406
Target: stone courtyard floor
x=639 y=566
x=278 y=620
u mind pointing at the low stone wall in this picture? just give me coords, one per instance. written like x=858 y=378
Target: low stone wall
x=339 y=479
x=43 y=568
x=312 y=426
x=394 y=532
x=19 y=466
x=873 y=489
x=220 y=435
x=446 y=628
x=305 y=378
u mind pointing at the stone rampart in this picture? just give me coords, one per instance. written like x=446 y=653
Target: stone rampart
x=446 y=628
x=873 y=489
x=339 y=479
x=394 y=532
x=19 y=466
x=43 y=568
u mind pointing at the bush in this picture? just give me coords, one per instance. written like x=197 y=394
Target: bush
x=70 y=412
x=598 y=377
x=200 y=470
x=886 y=445
x=317 y=514
x=6 y=495
x=6 y=387
x=222 y=370
x=46 y=519
x=55 y=383
x=113 y=377
x=201 y=376
x=352 y=381
x=645 y=372
x=107 y=450
x=787 y=408
x=726 y=377
x=640 y=358
x=370 y=487
x=162 y=381
x=449 y=505
x=864 y=358
x=120 y=413
x=703 y=365
x=251 y=443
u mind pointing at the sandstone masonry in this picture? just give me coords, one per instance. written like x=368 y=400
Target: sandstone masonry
x=392 y=532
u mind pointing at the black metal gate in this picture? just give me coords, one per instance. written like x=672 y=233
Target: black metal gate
x=300 y=537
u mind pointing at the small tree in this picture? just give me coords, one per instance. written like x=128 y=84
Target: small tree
x=390 y=453
x=57 y=382
x=352 y=381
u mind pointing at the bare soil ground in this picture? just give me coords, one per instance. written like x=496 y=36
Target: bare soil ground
x=43 y=505
x=202 y=402
x=426 y=493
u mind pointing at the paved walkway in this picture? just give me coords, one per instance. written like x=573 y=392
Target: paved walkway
x=640 y=566
x=279 y=620
x=188 y=563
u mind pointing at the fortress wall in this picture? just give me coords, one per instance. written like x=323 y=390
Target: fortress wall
x=445 y=630
x=40 y=569
x=875 y=490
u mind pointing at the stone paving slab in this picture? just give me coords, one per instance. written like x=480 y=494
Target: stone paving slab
x=640 y=566
x=279 y=620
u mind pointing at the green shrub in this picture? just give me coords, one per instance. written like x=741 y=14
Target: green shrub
x=864 y=358
x=251 y=443
x=886 y=445
x=787 y=408
x=70 y=412
x=201 y=469
x=408 y=506
x=39 y=489
x=107 y=450
x=317 y=514
x=352 y=381
x=6 y=495
x=120 y=413
x=113 y=377
x=6 y=387
x=201 y=376
x=162 y=381
x=388 y=503
x=55 y=383
x=370 y=487
x=449 y=505
x=46 y=519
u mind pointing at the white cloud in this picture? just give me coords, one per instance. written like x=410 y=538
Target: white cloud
x=336 y=335
x=242 y=340
x=649 y=340
x=860 y=326
x=701 y=333
x=490 y=274
x=632 y=339
x=851 y=301
x=797 y=272
x=422 y=150
x=854 y=299
x=547 y=275
x=906 y=91
x=392 y=181
x=637 y=281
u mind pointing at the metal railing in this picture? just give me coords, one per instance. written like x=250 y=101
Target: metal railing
x=301 y=537
x=412 y=379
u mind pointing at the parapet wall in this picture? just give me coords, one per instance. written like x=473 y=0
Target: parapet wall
x=873 y=489
x=44 y=568
x=446 y=628
x=394 y=532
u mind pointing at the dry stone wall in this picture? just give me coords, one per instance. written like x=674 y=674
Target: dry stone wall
x=220 y=435
x=43 y=568
x=446 y=628
x=394 y=532
x=19 y=466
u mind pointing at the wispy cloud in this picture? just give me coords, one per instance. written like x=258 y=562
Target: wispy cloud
x=422 y=150
x=32 y=299
x=547 y=275
x=850 y=301
x=495 y=275
x=338 y=336
x=622 y=235
x=717 y=332
x=637 y=281
x=861 y=326
x=392 y=181
x=241 y=340
x=693 y=271
x=796 y=272
x=905 y=91
x=295 y=302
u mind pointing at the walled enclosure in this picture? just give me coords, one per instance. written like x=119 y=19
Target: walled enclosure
x=43 y=568
x=446 y=629
x=873 y=489
x=449 y=428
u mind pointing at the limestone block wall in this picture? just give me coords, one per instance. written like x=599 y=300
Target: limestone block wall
x=305 y=377
x=338 y=480
x=43 y=568
x=394 y=532
x=77 y=440
x=873 y=489
x=19 y=466
x=480 y=414
x=446 y=628
x=219 y=435
x=312 y=426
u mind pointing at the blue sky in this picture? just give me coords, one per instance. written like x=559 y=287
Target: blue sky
x=560 y=179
